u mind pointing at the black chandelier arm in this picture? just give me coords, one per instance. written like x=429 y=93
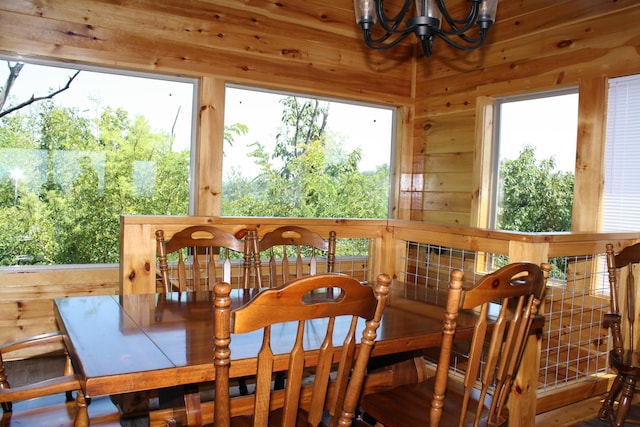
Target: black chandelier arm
x=399 y=17
x=377 y=44
x=443 y=34
x=455 y=31
x=426 y=43
x=473 y=40
x=396 y=20
x=472 y=43
x=458 y=33
x=469 y=20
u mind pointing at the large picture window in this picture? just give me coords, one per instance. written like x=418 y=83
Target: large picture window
x=534 y=162
x=79 y=147
x=289 y=155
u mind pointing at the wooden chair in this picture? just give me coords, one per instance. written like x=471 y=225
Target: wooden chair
x=624 y=357
x=315 y=304
x=47 y=401
x=505 y=302
x=208 y=251
x=287 y=248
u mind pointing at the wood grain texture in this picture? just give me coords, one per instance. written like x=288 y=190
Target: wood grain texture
x=534 y=46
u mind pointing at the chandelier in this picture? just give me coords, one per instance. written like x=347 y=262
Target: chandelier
x=426 y=24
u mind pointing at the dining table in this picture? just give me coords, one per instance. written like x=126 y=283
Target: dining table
x=138 y=342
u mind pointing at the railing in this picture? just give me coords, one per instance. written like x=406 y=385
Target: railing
x=574 y=345
x=573 y=348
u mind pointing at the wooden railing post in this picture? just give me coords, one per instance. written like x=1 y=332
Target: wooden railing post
x=137 y=259
x=522 y=408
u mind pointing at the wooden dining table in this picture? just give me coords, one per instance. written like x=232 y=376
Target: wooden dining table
x=132 y=343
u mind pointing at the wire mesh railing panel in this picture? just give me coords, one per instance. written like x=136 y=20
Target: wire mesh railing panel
x=431 y=265
x=574 y=344
x=352 y=258
x=428 y=267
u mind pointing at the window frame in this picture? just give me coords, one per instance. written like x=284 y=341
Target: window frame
x=394 y=110
x=494 y=151
x=194 y=121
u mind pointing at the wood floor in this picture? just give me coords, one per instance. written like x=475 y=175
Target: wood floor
x=571 y=415
x=580 y=414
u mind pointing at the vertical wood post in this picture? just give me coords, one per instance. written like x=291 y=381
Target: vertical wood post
x=522 y=401
x=137 y=258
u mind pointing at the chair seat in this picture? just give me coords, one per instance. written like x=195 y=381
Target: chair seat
x=53 y=411
x=418 y=397
x=626 y=363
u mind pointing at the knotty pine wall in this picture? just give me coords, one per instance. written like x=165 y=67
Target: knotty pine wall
x=536 y=45
x=314 y=47
x=309 y=46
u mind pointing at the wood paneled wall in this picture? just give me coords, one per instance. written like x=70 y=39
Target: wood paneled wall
x=311 y=46
x=535 y=45
x=315 y=47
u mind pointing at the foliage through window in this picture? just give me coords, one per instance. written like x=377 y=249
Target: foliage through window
x=535 y=156
x=71 y=164
x=536 y=151
x=294 y=156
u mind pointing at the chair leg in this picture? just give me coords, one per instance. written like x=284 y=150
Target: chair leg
x=82 y=414
x=6 y=406
x=242 y=387
x=606 y=410
x=625 y=400
x=279 y=380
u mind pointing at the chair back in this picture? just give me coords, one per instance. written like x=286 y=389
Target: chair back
x=505 y=302
x=288 y=248
x=321 y=309
x=621 y=319
x=203 y=257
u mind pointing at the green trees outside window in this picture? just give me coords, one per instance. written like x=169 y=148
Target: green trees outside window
x=67 y=175
x=74 y=176
x=307 y=174
x=534 y=196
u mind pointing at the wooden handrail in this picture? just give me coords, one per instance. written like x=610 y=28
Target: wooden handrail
x=388 y=237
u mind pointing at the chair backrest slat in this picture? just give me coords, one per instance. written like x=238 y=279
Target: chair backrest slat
x=622 y=271
x=506 y=303
x=281 y=268
x=315 y=304
x=209 y=249
x=623 y=295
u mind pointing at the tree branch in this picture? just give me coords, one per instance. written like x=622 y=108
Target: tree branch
x=14 y=72
x=39 y=98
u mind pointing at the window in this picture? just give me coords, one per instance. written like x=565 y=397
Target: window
x=291 y=155
x=71 y=164
x=534 y=162
x=621 y=200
